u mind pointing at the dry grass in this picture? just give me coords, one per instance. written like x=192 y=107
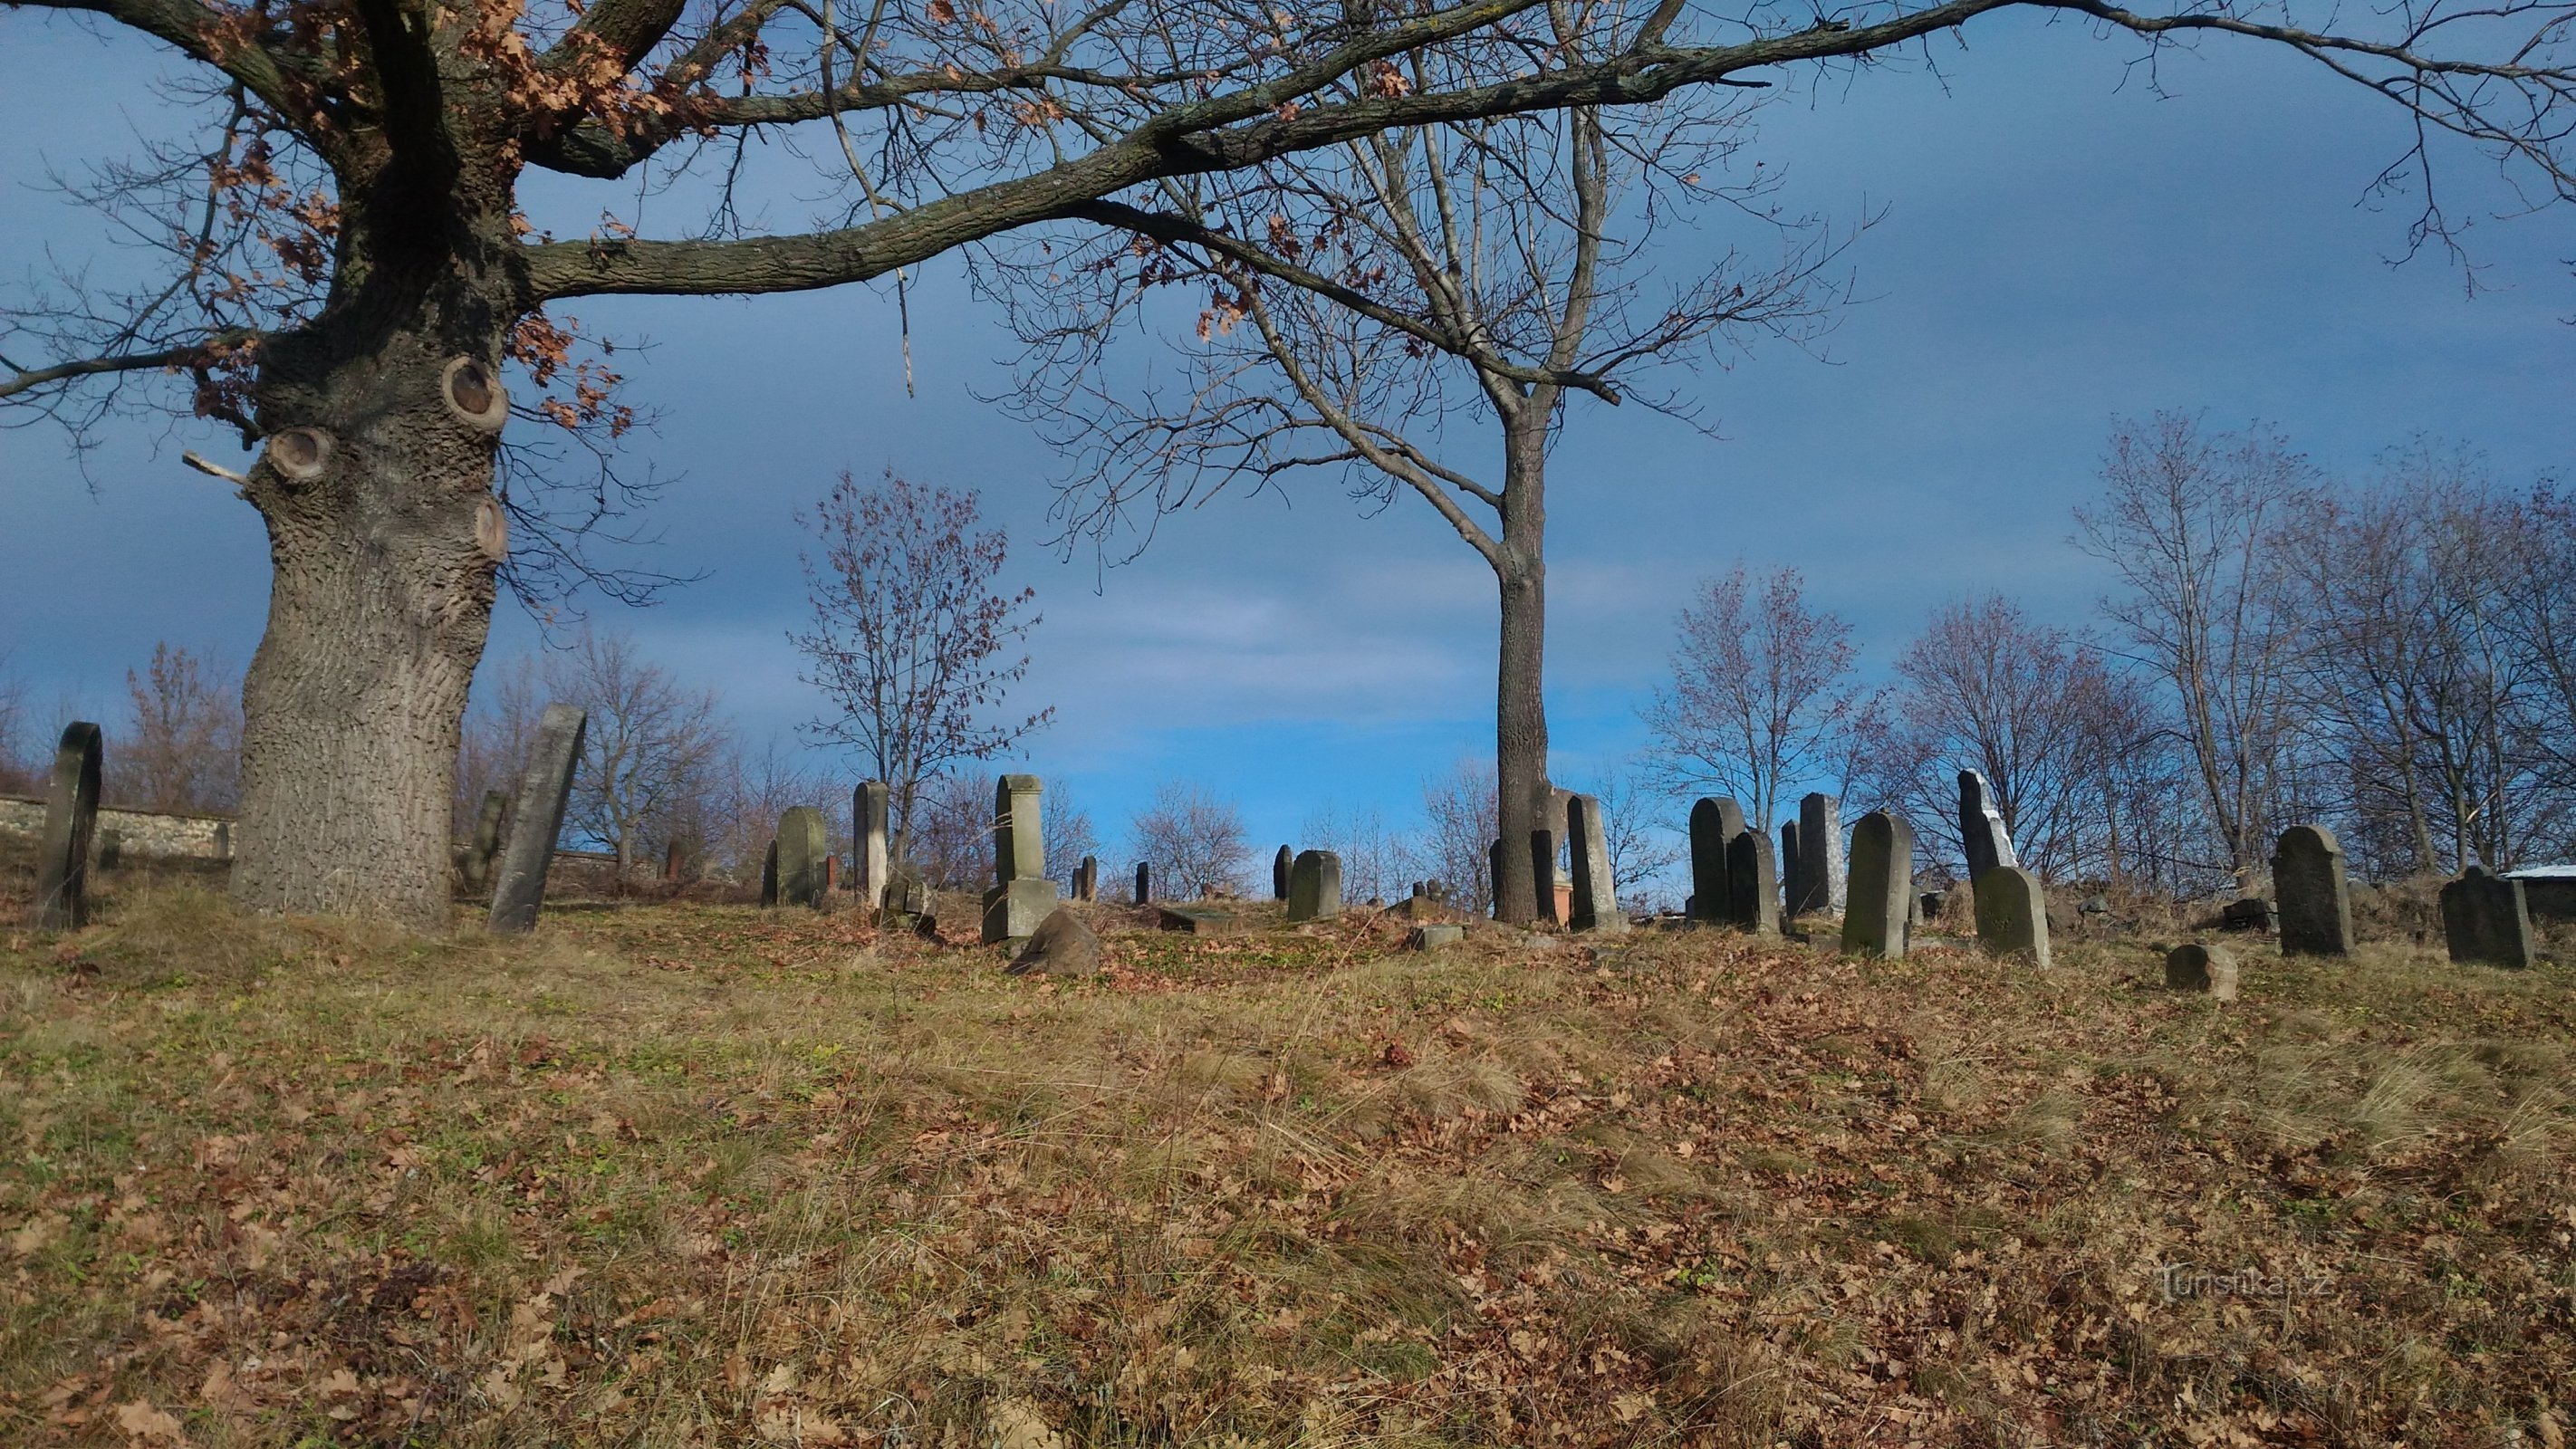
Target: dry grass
x=687 y=1174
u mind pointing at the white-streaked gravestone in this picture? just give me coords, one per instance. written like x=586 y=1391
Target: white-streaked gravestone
x=1714 y=825
x=1596 y=893
x=1981 y=827
x=1314 y=886
x=71 y=818
x=804 y=844
x=2309 y=891
x=1878 y=917
x=1820 y=845
x=1755 y=883
x=2486 y=919
x=2012 y=914
x=519 y=889
x=1021 y=896
x=871 y=858
x=2198 y=966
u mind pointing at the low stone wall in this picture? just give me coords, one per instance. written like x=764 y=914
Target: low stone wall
x=149 y=833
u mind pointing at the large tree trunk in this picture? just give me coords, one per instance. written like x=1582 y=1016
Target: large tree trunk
x=1520 y=710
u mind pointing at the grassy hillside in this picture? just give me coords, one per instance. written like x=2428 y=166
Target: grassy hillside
x=686 y=1174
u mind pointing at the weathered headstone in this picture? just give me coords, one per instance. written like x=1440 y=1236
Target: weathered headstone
x=1545 y=844
x=1280 y=865
x=1144 y=882
x=769 y=877
x=1090 y=873
x=1314 y=886
x=2486 y=919
x=1200 y=920
x=871 y=857
x=1596 y=893
x=71 y=817
x=2250 y=913
x=1021 y=896
x=1792 y=889
x=1754 y=883
x=907 y=902
x=1495 y=855
x=2198 y=967
x=2012 y=914
x=1714 y=824
x=1878 y=918
x=804 y=842
x=519 y=891
x=1981 y=827
x=2308 y=890
x=1820 y=858
x=1433 y=937
x=1060 y=946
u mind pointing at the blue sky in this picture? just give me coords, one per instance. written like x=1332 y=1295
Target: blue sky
x=2060 y=246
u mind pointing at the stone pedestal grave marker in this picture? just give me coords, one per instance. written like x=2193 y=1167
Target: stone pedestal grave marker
x=1314 y=886
x=1596 y=892
x=1433 y=937
x=1714 y=825
x=520 y=891
x=871 y=858
x=1021 y=896
x=2486 y=919
x=1495 y=855
x=803 y=843
x=1754 y=883
x=2012 y=914
x=1878 y=919
x=71 y=818
x=1981 y=826
x=1820 y=854
x=2199 y=967
x=2309 y=892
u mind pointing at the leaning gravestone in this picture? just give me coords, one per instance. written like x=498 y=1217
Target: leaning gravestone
x=1021 y=896
x=1755 y=885
x=2486 y=919
x=2199 y=967
x=1714 y=825
x=1280 y=865
x=71 y=817
x=871 y=860
x=1596 y=892
x=520 y=891
x=1878 y=918
x=1820 y=841
x=2012 y=913
x=2309 y=891
x=1792 y=889
x=804 y=843
x=1061 y=946
x=1981 y=827
x=1314 y=886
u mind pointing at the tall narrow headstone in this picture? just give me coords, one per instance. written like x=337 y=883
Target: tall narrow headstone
x=1495 y=855
x=1144 y=883
x=1755 y=884
x=2012 y=914
x=1793 y=891
x=769 y=877
x=2485 y=918
x=1878 y=917
x=1820 y=845
x=803 y=843
x=519 y=892
x=2309 y=891
x=1090 y=879
x=1280 y=865
x=1981 y=827
x=1714 y=824
x=1021 y=896
x=71 y=816
x=1314 y=886
x=871 y=860
x=1596 y=893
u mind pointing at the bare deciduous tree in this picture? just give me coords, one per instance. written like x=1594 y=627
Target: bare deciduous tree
x=651 y=754
x=1192 y=839
x=1761 y=690
x=1377 y=863
x=182 y=744
x=1460 y=828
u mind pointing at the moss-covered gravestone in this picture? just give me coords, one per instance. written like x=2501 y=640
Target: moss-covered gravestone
x=2012 y=914
x=1754 y=882
x=2308 y=890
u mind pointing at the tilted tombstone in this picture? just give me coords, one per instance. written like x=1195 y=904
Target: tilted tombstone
x=1714 y=825
x=769 y=877
x=1878 y=919
x=1820 y=846
x=2012 y=913
x=871 y=858
x=2485 y=918
x=1792 y=890
x=1981 y=827
x=803 y=842
x=2195 y=966
x=1280 y=865
x=2309 y=891
x=519 y=891
x=71 y=817
x=1021 y=896
x=1596 y=893
x=1314 y=886
x=1754 y=883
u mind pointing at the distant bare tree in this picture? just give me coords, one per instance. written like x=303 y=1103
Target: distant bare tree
x=652 y=750
x=1066 y=829
x=182 y=744
x=499 y=730
x=1460 y=828
x=1761 y=689
x=18 y=774
x=950 y=840
x=1377 y=863
x=1192 y=839
x=1641 y=849
x=909 y=640
x=2540 y=581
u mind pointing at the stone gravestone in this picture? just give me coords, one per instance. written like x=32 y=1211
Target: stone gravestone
x=1061 y=946
x=1791 y=888
x=1596 y=892
x=769 y=877
x=1754 y=883
x=1545 y=843
x=1280 y=865
x=2012 y=913
x=1820 y=854
x=1494 y=858
x=1981 y=827
x=804 y=842
x=1021 y=896
x=2308 y=890
x=1090 y=879
x=519 y=891
x=1144 y=883
x=2198 y=967
x=2485 y=918
x=1314 y=886
x=71 y=816
x=871 y=860
x=1714 y=825
x=1878 y=919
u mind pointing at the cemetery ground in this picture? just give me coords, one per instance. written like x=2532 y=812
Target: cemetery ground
x=686 y=1173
